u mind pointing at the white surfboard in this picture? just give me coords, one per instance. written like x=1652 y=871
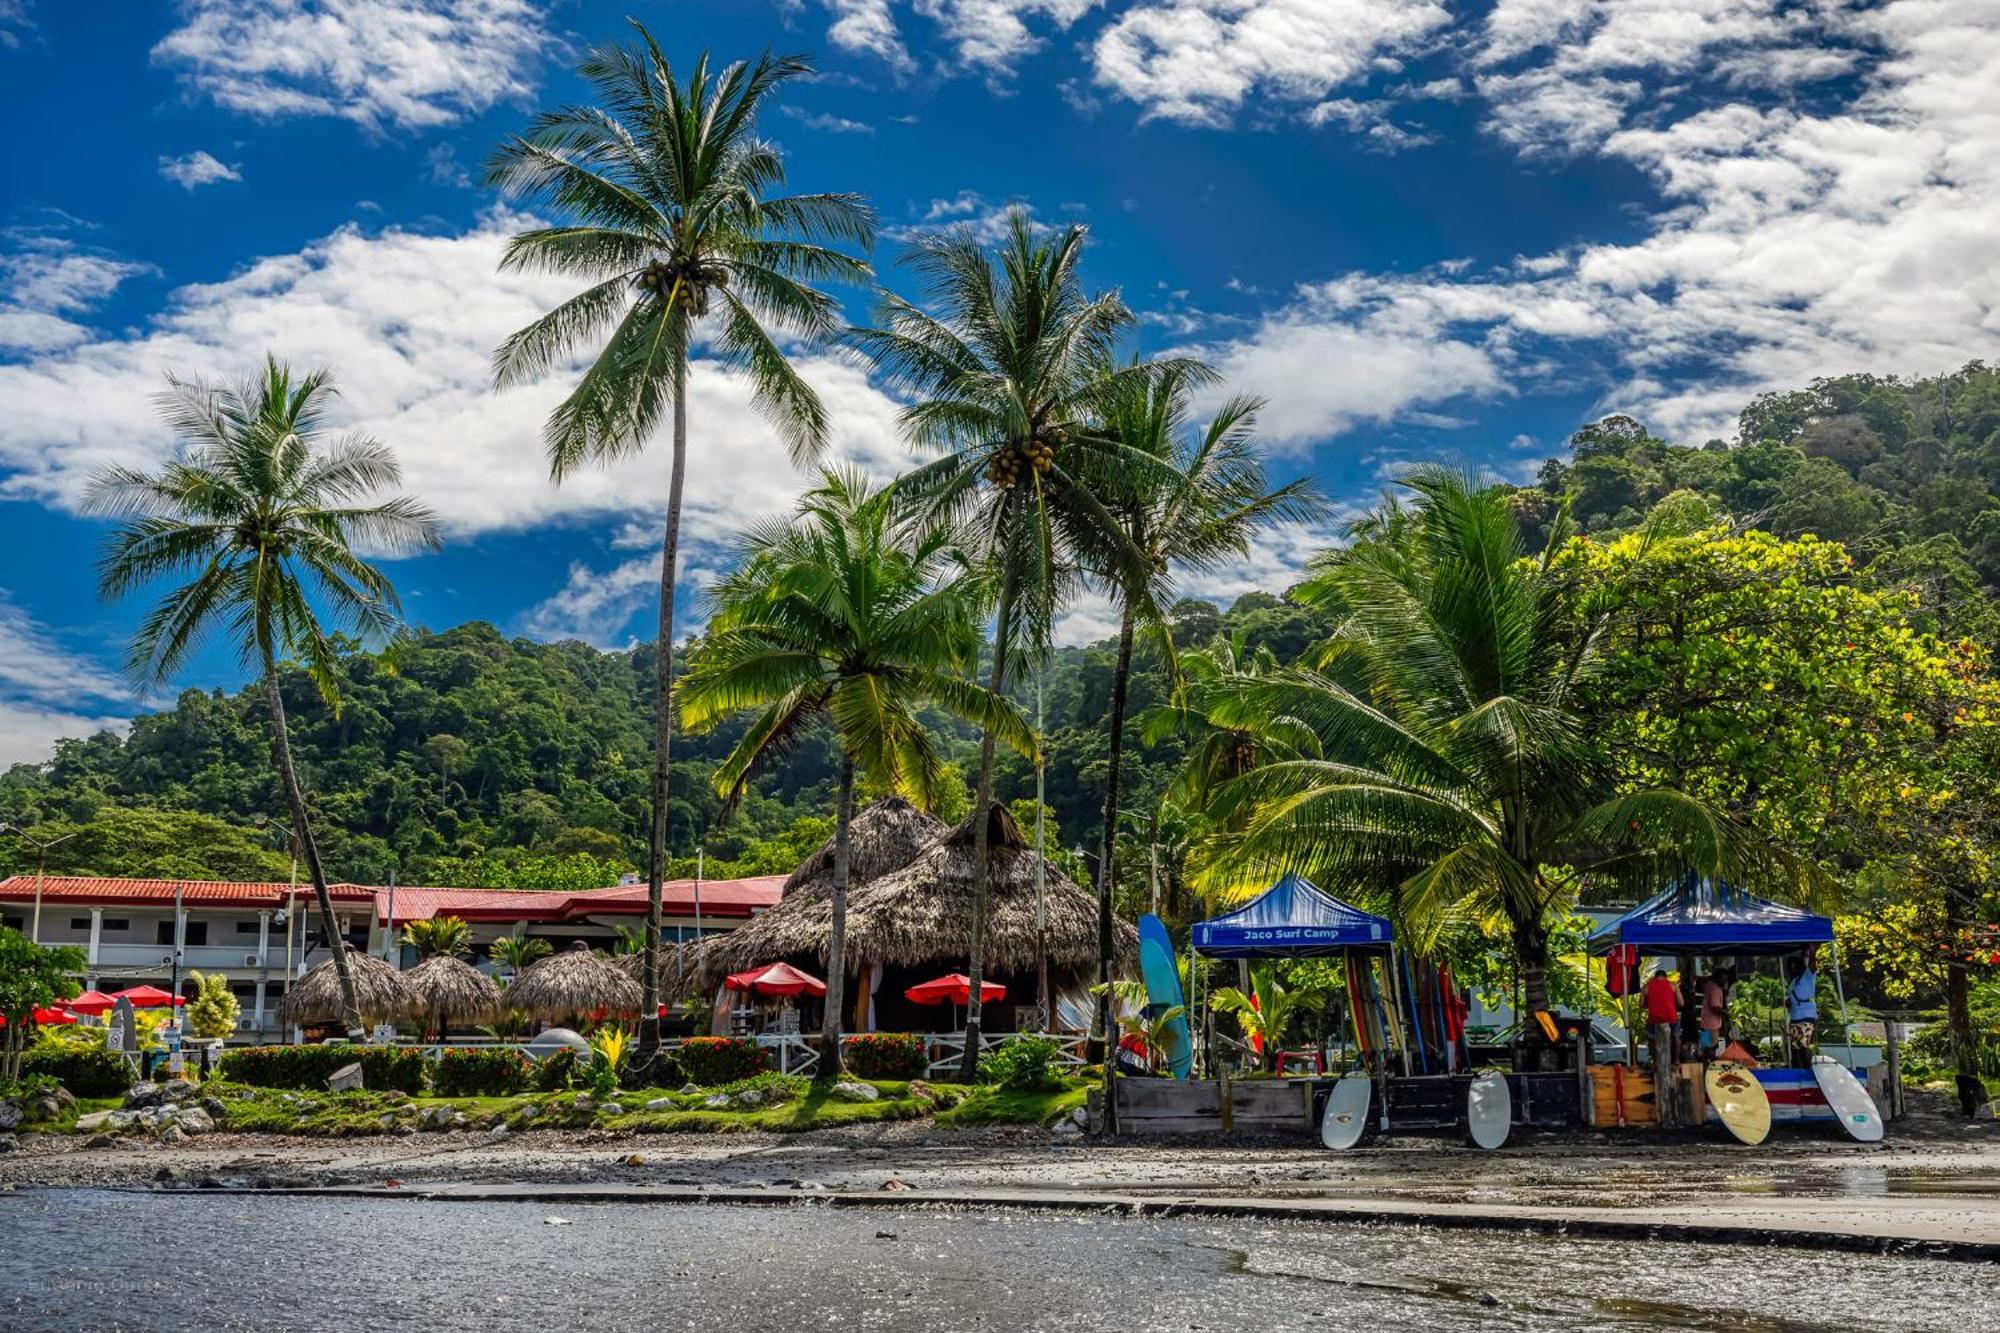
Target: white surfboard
x=1489 y=1109
x=1346 y=1112
x=1852 y=1106
x=1739 y=1101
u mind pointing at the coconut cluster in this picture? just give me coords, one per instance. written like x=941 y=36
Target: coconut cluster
x=1012 y=463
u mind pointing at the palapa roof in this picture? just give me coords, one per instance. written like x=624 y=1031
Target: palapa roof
x=884 y=838
x=922 y=913
x=452 y=988
x=572 y=981
x=379 y=989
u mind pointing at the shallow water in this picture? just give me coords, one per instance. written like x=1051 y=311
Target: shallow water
x=74 y=1259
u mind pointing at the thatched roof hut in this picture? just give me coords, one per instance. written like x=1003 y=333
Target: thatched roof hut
x=450 y=990
x=921 y=914
x=378 y=988
x=572 y=981
x=884 y=838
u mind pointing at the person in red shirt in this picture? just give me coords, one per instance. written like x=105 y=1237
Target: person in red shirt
x=1663 y=1013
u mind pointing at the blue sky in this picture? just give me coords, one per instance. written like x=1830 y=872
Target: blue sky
x=1419 y=228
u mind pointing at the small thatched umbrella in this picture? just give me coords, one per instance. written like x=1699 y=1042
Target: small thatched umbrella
x=452 y=989
x=378 y=988
x=885 y=837
x=574 y=981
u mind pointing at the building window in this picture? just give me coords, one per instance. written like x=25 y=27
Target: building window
x=164 y=934
x=117 y=923
x=246 y=927
x=197 y=932
x=12 y=922
x=79 y=923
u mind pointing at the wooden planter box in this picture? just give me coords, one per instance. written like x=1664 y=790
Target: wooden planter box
x=1195 y=1106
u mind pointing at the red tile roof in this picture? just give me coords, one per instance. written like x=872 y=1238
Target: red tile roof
x=729 y=898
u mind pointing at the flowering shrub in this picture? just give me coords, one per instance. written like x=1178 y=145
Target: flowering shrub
x=894 y=1055
x=476 y=1072
x=712 y=1060
x=553 y=1073
x=383 y=1068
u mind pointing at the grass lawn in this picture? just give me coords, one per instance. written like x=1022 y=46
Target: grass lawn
x=1008 y=1106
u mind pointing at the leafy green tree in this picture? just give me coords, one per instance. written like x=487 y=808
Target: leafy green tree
x=213 y=1011
x=264 y=514
x=515 y=953
x=32 y=977
x=842 y=613
x=1265 y=1012
x=1451 y=759
x=671 y=207
x=138 y=842
x=1006 y=378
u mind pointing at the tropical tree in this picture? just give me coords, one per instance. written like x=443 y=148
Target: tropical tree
x=1451 y=765
x=32 y=976
x=214 y=1009
x=673 y=210
x=264 y=512
x=447 y=935
x=1264 y=1012
x=1007 y=380
x=515 y=952
x=1217 y=752
x=1197 y=509
x=842 y=614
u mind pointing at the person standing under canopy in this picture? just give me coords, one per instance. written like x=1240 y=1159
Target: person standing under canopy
x=1663 y=1013
x=1801 y=1007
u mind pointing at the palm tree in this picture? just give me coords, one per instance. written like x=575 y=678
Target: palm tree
x=842 y=614
x=1007 y=384
x=1448 y=760
x=448 y=936
x=1217 y=752
x=1191 y=514
x=673 y=210
x=516 y=952
x=1264 y=1012
x=263 y=512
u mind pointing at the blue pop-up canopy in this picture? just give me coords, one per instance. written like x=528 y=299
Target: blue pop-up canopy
x=1291 y=919
x=1701 y=916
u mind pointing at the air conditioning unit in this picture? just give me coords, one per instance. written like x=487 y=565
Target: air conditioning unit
x=249 y=960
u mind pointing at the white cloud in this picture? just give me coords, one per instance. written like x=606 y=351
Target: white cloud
x=1201 y=61
x=595 y=605
x=48 y=691
x=196 y=169
x=14 y=22
x=831 y=124
x=988 y=221
x=408 y=63
x=867 y=25
x=986 y=34
x=44 y=277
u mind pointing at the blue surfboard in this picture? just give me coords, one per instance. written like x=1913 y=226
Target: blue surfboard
x=1157 y=965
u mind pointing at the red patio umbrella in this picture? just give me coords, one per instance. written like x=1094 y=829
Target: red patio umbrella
x=91 y=1002
x=48 y=1018
x=775 y=979
x=955 y=988
x=148 y=997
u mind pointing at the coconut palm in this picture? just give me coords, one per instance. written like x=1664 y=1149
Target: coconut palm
x=1216 y=752
x=672 y=208
x=842 y=614
x=516 y=953
x=1449 y=765
x=439 y=936
x=1199 y=509
x=1006 y=379
x=263 y=511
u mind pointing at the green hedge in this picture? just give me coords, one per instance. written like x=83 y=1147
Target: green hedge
x=886 y=1055
x=383 y=1068
x=477 y=1072
x=86 y=1072
x=712 y=1060
x=555 y=1072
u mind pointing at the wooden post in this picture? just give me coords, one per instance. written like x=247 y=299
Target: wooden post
x=1894 y=1056
x=1228 y=1112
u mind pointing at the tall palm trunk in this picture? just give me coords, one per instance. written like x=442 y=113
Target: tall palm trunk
x=350 y=1006
x=1120 y=679
x=1531 y=960
x=836 y=945
x=663 y=725
x=982 y=810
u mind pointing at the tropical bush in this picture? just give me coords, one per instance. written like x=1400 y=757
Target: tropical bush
x=554 y=1073
x=712 y=1060
x=481 y=1072
x=609 y=1046
x=891 y=1055
x=383 y=1068
x=213 y=1011
x=85 y=1071
x=1025 y=1064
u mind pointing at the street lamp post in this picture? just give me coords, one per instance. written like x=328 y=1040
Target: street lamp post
x=41 y=858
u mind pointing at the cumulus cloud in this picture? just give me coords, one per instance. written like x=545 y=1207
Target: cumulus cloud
x=45 y=277
x=406 y=63
x=1199 y=61
x=48 y=691
x=990 y=35
x=197 y=169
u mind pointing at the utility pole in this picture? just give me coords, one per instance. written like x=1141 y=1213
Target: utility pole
x=41 y=859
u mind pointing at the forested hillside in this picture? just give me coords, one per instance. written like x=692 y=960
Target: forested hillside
x=464 y=756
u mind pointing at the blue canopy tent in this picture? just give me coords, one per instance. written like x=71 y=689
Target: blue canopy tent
x=1294 y=918
x=1701 y=916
